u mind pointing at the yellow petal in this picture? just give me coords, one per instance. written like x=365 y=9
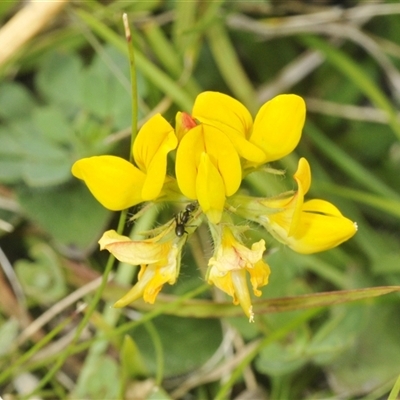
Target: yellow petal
x=321 y=227
x=224 y=157
x=153 y=135
x=152 y=278
x=133 y=252
x=219 y=107
x=278 y=126
x=221 y=154
x=187 y=160
x=239 y=281
x=303 y=179
x=157 y=168
x=210 y=189
x=113 y=181
x=259 y=276
x=223 y=281
x=231 y=118
x=303 y=175
x=137 y=290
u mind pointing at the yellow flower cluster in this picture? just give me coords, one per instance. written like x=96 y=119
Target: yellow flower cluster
x=216 y=146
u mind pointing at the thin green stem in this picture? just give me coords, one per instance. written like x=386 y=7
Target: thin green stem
x=134 y=92
x=155 y=337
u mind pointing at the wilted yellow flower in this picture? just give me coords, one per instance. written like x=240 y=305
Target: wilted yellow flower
x=230 y=264
x=159 y=263
x=118 y=184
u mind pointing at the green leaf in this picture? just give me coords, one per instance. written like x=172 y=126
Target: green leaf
x=37 y=160
x=69 y=214
x=10 y=170
x=131 y=360
x=338 y=334
x=42 y=278
x=101 y=382
x=53 y=124
x=106 y=88
x=187 y=343
x=60 y=79
x=279 y=359
x=374 y=359
x=15 y=101
x=41 y=172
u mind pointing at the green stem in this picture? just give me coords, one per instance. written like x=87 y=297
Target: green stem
x=155 y=337
x=134 y=92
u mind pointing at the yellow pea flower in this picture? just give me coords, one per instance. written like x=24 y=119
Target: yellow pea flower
x=159 y=263
x=230 y=264
x=118 y=184
x=306 y=227
x=219 y=132
x=207 y=166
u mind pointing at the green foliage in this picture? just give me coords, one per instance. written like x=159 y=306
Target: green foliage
x=67 y=95
x=179 y=339
x=42 y=278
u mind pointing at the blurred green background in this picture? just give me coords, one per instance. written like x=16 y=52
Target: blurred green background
x=65 y=93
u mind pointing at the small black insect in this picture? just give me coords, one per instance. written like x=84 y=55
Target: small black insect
x=182 y=218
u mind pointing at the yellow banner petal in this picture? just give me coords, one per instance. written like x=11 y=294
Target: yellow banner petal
x=231 y=118
x=278 y=126
x=215 y=106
